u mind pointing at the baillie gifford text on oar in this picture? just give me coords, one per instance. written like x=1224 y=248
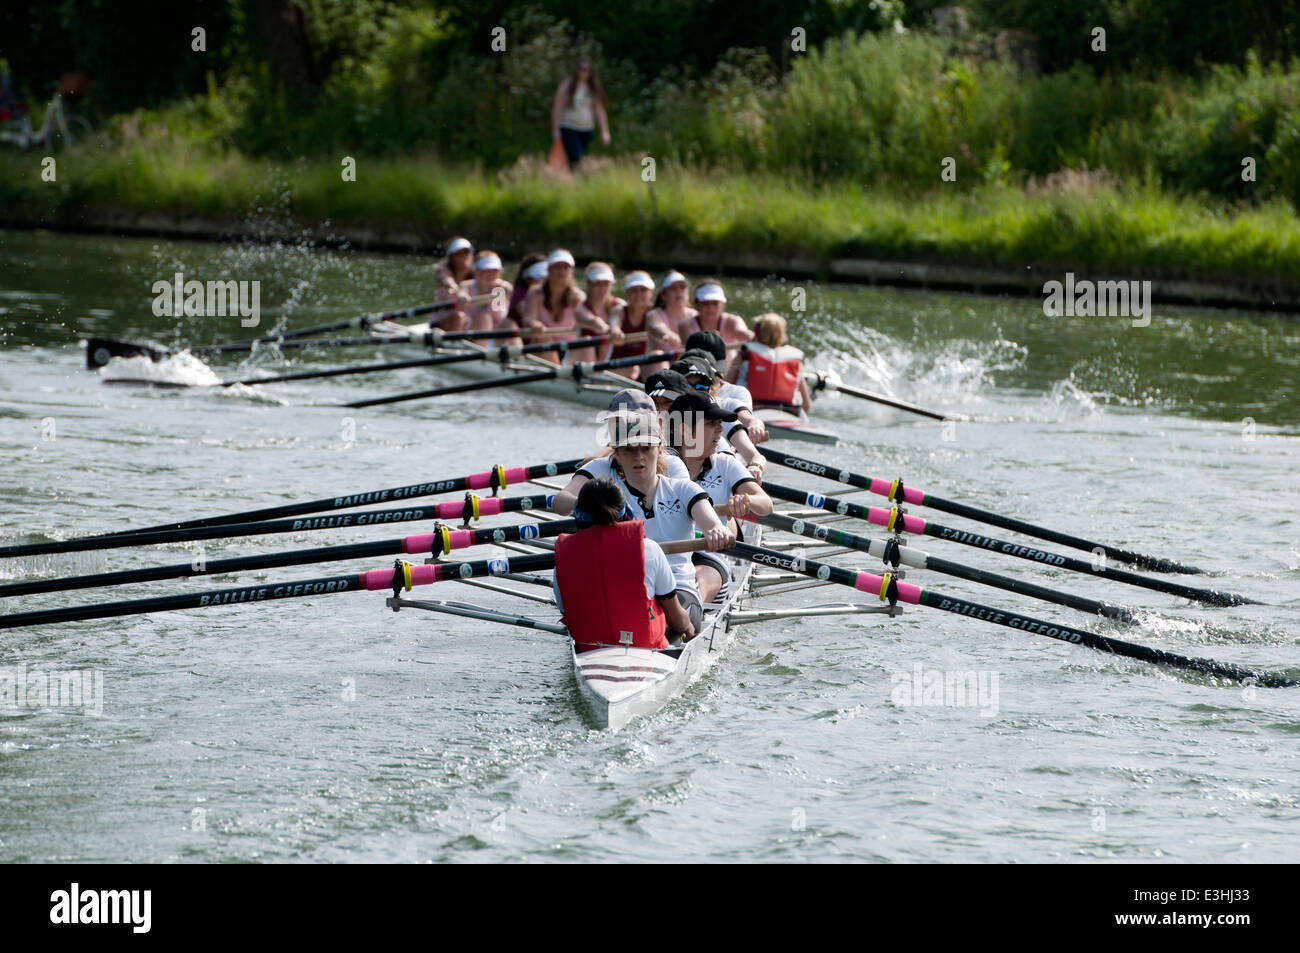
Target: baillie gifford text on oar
x=285 y=591
x=962 y=607
x=1012 y=549
x=361 y=519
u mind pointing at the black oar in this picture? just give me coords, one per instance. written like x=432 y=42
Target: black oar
x=444 y=541
x=402 y=576
x=497 y=478
x=923 y=560
x=502 y=354
x=888 y=588
x=894 y=520
x=895 y=491
x=577 y=371
x=831 y=381
x=99 y=351
x=468 y=509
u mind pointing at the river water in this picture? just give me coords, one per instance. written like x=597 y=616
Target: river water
x=331 y=729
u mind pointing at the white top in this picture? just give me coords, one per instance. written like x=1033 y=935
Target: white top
x=730 y=396
x=667 y=516
x=659 y=579
x=721 y=474
x=580 y=116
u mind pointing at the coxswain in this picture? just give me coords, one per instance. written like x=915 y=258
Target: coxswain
x=613 y=585
x=771 y=369
x=694 y=426
x=672 y=508
x=711 y=315
x=455 y=268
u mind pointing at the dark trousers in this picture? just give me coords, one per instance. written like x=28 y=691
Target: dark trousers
x=576 y=143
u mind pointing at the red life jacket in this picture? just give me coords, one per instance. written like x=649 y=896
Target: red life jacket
x=772 y=374
x=601 y=575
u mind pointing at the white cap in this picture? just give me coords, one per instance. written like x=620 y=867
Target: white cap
x=671 y=279
x=560 y=256
x=638 y=279
x=710 y=292
x=488 y=263
x=600 y=273
x=458 y=244
x=536 y=271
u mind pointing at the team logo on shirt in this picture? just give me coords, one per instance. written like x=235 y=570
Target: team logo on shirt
x=670 y=507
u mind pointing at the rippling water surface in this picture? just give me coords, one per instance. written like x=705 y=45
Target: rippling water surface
x=331 y=729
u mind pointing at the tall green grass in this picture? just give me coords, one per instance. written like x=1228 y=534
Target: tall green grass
x=1077 y=221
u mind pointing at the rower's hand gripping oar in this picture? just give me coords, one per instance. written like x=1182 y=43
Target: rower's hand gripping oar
x=895 y=491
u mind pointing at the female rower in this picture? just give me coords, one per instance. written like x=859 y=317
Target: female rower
x=532 y=269
x=553 y=303
x=487 y=280
x=771 y=369
x=592 y=316
x=634 y=316
x=672 y=508
x=629 y=402
x=729 y=395
x=455 y=268
x=703 y=376
x=695 y=425
x=670 y=307
x=711 y=315
x=597 y=583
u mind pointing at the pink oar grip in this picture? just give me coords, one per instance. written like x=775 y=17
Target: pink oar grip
x=379 y=579
x=481 y=481
x=420 y=543
x=870 y=583
x=910 y=493
x=487 y=506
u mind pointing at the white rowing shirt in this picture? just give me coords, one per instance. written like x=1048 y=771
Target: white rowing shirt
x=720 y=476
x=667 y=516
x=730 y=396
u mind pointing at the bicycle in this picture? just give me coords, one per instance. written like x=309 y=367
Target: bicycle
x=59 y=122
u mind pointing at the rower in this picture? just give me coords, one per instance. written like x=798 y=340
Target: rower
x=553 y=302
x=671 y=507
x=664 y=387
x=593 y=315
x=613 y=586
x=729 y=395
x=487 y=280
x=711 y=315
x=702 y=375
x=633 y=317
x=625 y=403
x=449 y=273
x=695 y=425
x=771 y=369
x=671 y=307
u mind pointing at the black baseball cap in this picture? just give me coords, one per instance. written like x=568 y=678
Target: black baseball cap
x=710 y=341
x=670 y=384
x=702 y=354
x=695 y=402
x=695 y=365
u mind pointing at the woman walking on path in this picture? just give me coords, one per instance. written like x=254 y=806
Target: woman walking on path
x=579 y=107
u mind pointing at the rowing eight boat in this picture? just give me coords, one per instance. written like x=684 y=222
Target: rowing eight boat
x=595 y=389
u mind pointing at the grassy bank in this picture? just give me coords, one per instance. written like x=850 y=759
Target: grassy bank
x=1072 y=220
